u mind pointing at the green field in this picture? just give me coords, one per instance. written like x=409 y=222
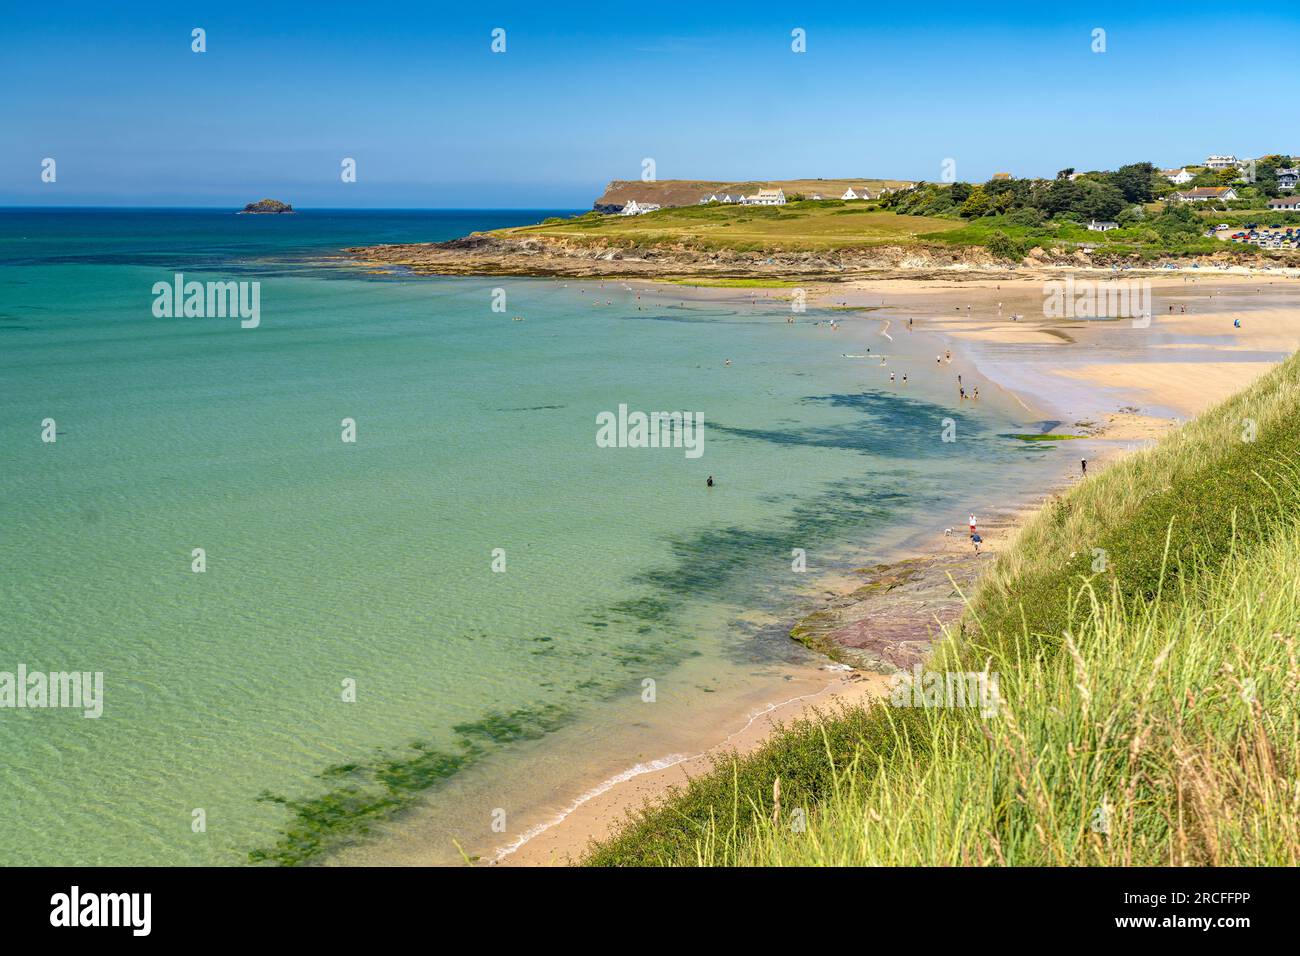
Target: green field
x=807 y=225
x=1143 y=630
x=826 y=225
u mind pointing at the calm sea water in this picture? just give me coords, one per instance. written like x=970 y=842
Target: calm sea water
x=332 y=565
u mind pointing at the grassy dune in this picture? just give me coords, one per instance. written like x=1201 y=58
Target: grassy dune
x=1143 y=630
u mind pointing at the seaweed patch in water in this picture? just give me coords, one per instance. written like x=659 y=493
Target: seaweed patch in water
x=364 y=794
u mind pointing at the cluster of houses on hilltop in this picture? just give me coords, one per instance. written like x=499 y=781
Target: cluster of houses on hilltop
x=1287 y=178
x=764 y=197
x=776 y=197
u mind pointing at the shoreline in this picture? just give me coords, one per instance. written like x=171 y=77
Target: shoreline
x=598 y=810
x=596 y=257
x=1074 y=377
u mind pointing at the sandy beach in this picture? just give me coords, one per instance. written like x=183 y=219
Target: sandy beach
x=1117 y=383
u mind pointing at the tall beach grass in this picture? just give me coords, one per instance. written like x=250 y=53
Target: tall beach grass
x=1143 y=632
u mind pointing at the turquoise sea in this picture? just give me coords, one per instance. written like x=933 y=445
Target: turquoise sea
x=333 y=565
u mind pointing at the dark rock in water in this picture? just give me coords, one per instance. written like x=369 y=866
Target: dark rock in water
x=267 y=206
x=891 y=621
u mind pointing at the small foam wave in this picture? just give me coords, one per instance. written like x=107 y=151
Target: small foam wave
x=652 y=766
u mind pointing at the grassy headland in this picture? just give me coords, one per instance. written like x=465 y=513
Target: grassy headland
x=805 y=225
x=1143 y=630
x=917 y=226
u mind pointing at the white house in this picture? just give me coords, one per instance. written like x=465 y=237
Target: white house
x=1177 y=176
x=1288 y=178
x=1104 y=226
x=1285 y=202
x=1205 y=193
x=635 y=208
x=862 y=192
x=1221 y=162
x=765 y=197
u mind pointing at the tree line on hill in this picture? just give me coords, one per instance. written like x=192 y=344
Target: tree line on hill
x=1117 y=195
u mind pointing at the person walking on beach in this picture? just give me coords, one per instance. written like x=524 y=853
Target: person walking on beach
x=972 y=525
x=1083 y=465
x=904 y=378
x=891 y=376
x=977 y=541
x=977 y=393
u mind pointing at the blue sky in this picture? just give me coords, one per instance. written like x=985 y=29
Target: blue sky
x=433 y=118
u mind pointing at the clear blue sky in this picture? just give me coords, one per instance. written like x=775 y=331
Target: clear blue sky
x=433 y=118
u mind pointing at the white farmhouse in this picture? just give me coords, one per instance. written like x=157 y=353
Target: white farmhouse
x=635 y=208
x=765 y=197
x=862 y=192
x=1104 y=225
x=1177 y=176
x=1206 y=193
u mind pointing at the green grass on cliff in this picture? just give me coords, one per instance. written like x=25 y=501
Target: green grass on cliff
x=810 y=225
x=831 y=224
x=1143 y=629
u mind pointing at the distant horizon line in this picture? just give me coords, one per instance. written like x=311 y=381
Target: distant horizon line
x=238 y=210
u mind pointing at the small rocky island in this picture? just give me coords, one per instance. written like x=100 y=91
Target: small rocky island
x=266 y=206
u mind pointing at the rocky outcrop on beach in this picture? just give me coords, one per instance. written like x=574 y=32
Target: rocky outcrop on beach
x=266 y=206
x=493 y=254
x=892 y=620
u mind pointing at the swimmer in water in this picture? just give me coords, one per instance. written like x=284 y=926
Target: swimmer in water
x=709 y=483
